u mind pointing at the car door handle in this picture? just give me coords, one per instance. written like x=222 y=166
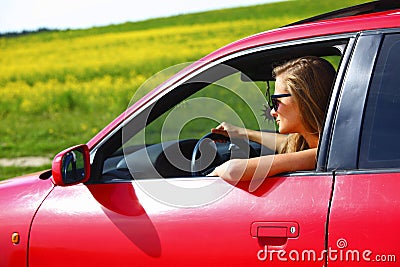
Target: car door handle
x=275 y=229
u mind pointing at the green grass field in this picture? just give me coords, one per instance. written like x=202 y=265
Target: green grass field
x=59 y=88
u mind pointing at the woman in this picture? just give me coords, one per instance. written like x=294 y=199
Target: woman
x=302 y=90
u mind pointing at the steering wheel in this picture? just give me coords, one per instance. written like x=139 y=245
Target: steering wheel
x=206 y=155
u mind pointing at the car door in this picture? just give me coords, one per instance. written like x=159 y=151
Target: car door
x=180 y=221
x=119 y=224
x=365 y=203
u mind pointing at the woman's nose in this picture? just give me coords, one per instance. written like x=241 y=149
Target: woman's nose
x=273 y=113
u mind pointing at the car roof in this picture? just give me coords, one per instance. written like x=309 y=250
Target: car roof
x=370 y=21
x=365 y=8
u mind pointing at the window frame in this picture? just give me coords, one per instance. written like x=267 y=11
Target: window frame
x=347 y=111
x=344 y=146
x=114 y=138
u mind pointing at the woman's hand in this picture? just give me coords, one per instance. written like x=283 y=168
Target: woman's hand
x=230 y=130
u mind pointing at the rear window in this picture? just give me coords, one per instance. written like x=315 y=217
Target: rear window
x=380 y=142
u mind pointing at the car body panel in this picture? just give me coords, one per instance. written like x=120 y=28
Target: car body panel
x=121 y=224
x=19 y=200
x=363 y=218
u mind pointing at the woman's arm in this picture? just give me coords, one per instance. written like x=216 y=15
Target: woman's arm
x=268 y=139
x=261 y=167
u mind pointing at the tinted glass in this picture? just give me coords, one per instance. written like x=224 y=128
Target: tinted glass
x=380 y=144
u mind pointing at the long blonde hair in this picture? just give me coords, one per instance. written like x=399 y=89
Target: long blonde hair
x=309 y=80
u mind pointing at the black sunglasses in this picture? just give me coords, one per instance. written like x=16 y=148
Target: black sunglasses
x=272 y=100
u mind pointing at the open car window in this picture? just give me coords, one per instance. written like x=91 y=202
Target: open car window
x=164 y=147
x=159 y=141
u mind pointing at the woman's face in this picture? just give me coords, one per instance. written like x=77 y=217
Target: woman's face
x=288 y=116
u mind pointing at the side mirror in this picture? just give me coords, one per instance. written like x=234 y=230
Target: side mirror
x=71 y=166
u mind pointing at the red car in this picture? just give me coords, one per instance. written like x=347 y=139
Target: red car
x=137 y=194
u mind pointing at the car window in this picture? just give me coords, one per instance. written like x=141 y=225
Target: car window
x=164 y=147
x=380 y=147
x=232 y=91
